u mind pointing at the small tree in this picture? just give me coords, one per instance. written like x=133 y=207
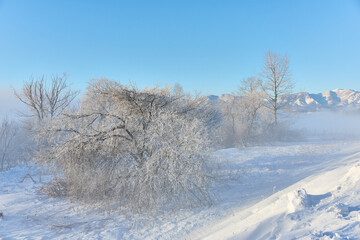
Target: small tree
x=12 y=143
x=46 y=100
x=232 y=131
x=252 y=101
x=243 y=113
x=277 y=81
x=131 y=147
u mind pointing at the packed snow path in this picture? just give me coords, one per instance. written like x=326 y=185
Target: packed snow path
x=303 y=190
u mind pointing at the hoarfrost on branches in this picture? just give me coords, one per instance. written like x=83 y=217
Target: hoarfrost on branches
x=129 y=147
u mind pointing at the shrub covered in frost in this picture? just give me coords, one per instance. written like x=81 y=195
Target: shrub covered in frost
x=134 y=148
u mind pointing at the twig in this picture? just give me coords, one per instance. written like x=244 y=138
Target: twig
x=27 y=175
x=60 y=211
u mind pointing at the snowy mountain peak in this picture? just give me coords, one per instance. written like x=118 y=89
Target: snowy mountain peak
x=336 y=99
x=333 y=99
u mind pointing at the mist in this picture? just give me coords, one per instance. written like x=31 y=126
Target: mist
x=10 y=107
x=327 y=125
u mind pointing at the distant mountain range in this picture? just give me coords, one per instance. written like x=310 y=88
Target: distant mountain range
x=333 y=100
x=337 y=99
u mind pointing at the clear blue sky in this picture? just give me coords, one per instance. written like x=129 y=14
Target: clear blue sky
x=208 y=46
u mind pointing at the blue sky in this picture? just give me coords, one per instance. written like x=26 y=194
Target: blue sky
x=206 y=46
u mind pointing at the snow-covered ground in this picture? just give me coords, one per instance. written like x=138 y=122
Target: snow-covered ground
x=307 y=190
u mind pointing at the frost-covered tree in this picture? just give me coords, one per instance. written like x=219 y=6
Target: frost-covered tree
x=277 y=81
x=131 y=147
x=8 y=133
x=13 y=144
x=251 y=105
x=245 y=118
x=231 y=129
x=44 y=99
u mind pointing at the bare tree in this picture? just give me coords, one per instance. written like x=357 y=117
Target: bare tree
x=277 y=81
x=131 y=147
x=242 y=112
x=252 y=101
x=178 y=90
x=58 y=96
x=230 y=111
x=250 y=85
x=46 y=100
x=8 y=133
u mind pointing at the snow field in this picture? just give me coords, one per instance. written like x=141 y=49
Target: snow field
x=289 y=191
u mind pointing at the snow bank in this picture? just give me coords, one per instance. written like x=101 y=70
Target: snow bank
x=331 y=211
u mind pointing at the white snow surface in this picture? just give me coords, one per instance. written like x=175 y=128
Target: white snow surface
x=308 y=190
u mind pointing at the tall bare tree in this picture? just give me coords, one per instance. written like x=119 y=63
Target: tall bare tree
x=277 y=81
x=46 y=100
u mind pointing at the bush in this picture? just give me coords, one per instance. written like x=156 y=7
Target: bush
x=135 y=148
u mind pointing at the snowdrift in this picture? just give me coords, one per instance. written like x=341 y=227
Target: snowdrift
x=323 y=206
